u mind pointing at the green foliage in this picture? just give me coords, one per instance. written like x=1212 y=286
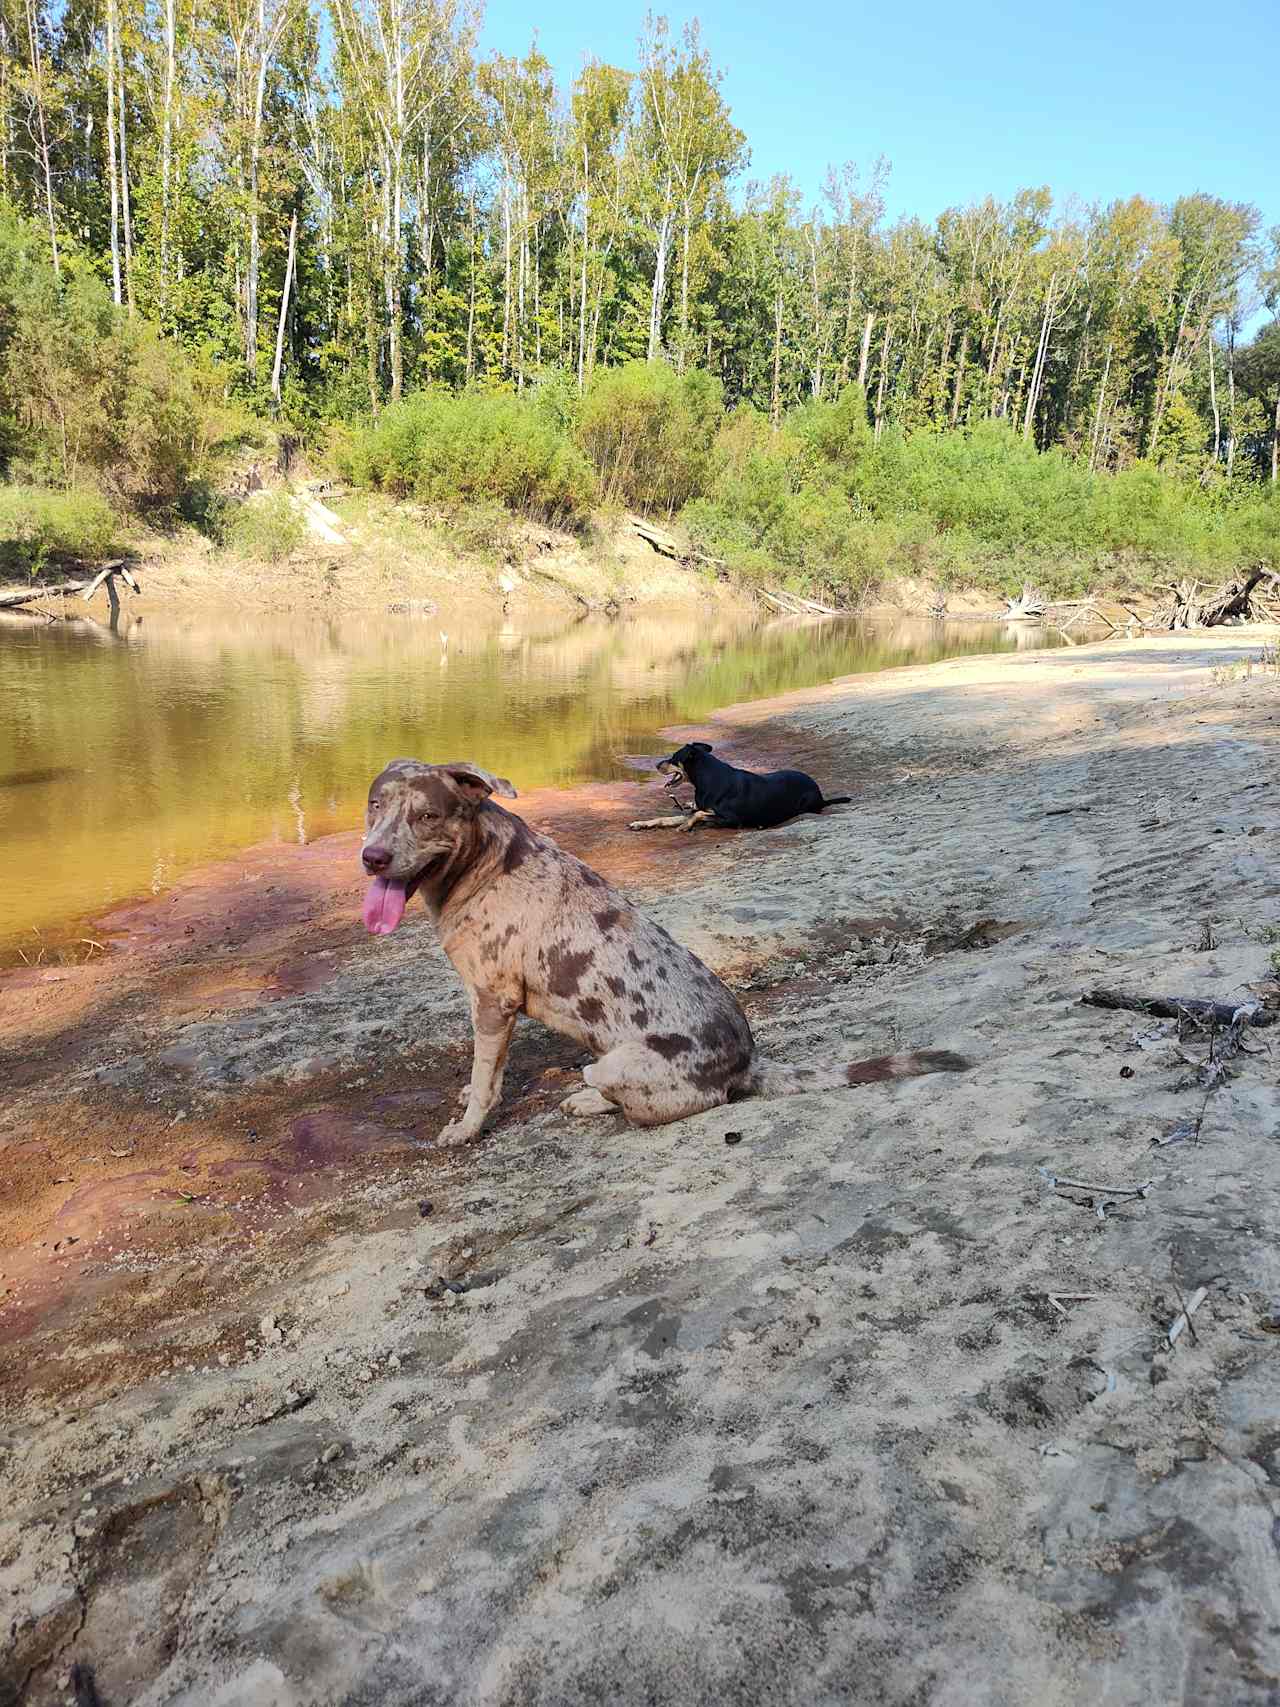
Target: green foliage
x=649 y=432
x=38 y=526
x=265 y=528
x=91 y=395
x=476 y=447
x=821 y=498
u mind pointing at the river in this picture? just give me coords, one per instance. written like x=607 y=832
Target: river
x=128 y=758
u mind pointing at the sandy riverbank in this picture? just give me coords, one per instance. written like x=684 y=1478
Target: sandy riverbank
x=788 y=1420
x=396 y=558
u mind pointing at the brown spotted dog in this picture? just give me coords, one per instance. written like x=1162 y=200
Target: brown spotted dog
x=530 y=929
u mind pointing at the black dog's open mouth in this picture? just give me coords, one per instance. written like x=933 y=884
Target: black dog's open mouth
x=675 y=776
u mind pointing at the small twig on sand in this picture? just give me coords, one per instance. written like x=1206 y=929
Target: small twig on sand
x=1101 y=1197
x=1183 y=1318
x=1061 y=811
x=1060 y=1300
x=1101 y=1190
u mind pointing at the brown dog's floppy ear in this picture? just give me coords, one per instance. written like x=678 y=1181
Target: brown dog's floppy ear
x=477 y=783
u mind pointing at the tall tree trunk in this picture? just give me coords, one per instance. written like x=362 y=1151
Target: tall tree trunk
x=582 y=298
x=659 y=285
x=113 y=169
x=395 y=269
x=126 y=210
x=471 y=298
x=254 y=263
x=865 y=355
x=284 y=309
x=884 y=374
x=1275 y=442
x=815 y=377
x=1231 y=398
x=775 y=398
x=46 y=164
x=166 y=144
x=1167 y=378
x=537 y=295
x=1213 y=404
x=1097 y=418
x=849 y=306
x=508 y=329
x=1042 y=351
x=959 y=386
x=684 y=289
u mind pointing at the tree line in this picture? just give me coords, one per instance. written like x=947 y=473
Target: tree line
x=340 y=201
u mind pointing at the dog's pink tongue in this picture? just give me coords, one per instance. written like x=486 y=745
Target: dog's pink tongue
x=384 y=906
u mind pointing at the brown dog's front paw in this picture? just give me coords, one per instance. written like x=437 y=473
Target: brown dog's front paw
x=458 y=1132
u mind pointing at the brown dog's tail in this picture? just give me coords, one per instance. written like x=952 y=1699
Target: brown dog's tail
x=777 y=1079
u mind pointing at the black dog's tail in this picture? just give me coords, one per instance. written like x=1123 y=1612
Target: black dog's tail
x=838 y=800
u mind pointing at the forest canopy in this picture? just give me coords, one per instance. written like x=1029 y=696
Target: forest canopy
x=317 y=208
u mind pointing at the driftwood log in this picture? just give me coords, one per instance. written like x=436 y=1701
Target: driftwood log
x=1196 y=1008
x=1029 y=606
x=87 y=587
x=1253 y=596
x=667 y=546
x=793 y=605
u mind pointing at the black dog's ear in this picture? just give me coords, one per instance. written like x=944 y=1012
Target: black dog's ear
x=701 y=746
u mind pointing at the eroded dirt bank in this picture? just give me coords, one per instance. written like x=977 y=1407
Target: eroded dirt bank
x=787 y=1419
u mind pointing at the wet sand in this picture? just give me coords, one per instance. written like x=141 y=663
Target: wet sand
x=790 y=1419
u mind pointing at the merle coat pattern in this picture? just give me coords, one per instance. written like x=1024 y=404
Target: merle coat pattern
x=530 y=929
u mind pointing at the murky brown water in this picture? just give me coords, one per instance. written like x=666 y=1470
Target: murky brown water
x=127 y=759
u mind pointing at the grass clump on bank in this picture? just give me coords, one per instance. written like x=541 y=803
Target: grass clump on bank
x=39 y=526
x=265 y=528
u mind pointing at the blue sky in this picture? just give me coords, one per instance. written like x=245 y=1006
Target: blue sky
x=1096 y=100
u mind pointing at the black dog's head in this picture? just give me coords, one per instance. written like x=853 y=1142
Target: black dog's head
x=681 y=764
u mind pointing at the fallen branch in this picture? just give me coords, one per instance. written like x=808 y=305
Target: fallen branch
x=667 y=546
x=1056 y=1299
x=18 y=596
x=794 y=605
x=1182 y=1320
x=1115 y=1191
x=1184 y=1007
x=1235 y=600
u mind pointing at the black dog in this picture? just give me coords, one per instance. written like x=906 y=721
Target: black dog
x=741 y=800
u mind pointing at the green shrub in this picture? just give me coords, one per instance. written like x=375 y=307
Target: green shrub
x=38 y=525
x=90 y=394
x=649 y=432
x=266 y=527
x=473 y=448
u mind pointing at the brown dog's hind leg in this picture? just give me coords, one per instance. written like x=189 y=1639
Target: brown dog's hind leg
x=492 y=1021
x=588 y=1102
x=643 y=1085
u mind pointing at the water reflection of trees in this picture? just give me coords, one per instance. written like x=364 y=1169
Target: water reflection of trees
x=191 y=737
